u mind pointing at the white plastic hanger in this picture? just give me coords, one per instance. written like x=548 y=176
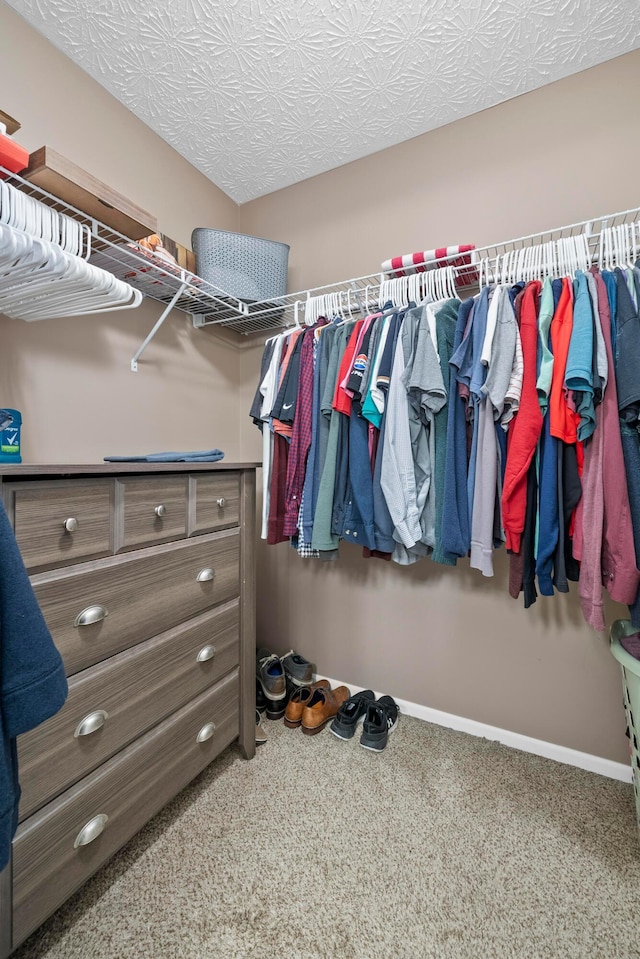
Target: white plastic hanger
x=608 y=249
x=484 y=274
x=579 y=248
x=571 y=256
x=615 y=247
x=414 y=287
x=451 y=289
x=625 y=245
x=438 y=283
x=587 y=251
x=40 y=280
x=508 y=267
x=536 y=261
x=562 y=256
x=619 y=245
x=25 y=213
x=605 y=240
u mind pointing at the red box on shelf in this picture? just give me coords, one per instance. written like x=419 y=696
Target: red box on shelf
x=12 y=156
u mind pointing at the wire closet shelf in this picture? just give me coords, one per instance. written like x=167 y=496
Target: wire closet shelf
x=121 y=256
x=492 y=261
x=211 y=306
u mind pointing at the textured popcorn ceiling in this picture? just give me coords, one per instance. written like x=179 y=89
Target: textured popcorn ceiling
x=259 y=94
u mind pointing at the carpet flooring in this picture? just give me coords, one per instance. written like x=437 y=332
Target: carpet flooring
x=443 y=845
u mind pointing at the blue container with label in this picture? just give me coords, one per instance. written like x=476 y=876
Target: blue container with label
x=10 y=423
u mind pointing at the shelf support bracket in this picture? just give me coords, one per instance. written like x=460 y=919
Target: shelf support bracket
x=165 y=314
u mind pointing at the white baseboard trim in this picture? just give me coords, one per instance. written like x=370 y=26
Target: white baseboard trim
x=538 y=747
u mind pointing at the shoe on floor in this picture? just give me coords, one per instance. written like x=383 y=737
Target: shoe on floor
x=261 y=699
x=297 y=669
x=270 y=674
x=351 y=713
x=261 y=736
x=379 y=722
x=276 y=708
x=323 y=706
x=299 y=699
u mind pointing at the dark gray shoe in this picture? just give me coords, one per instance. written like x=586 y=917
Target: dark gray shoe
x=298 y=670
x=379 y=722
x=351 y=713
x=270 y=675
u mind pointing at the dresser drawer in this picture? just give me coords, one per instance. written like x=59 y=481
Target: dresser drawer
x=48 y=862
x=59 y=523
x=150 y=509
x=111 y=704
x=97 y=609
x=214 y=501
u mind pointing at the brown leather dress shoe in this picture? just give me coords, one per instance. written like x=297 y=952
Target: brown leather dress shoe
x=299 y=699
x=323 y=706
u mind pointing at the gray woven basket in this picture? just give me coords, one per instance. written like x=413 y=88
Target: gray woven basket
x=247 y=267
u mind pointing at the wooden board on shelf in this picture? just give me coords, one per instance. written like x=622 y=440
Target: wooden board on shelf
x=12 y=125
x=63 y=179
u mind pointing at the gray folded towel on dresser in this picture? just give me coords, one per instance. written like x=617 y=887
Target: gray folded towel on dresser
x=195 y=456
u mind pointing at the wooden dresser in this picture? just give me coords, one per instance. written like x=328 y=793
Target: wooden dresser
x=145 y=576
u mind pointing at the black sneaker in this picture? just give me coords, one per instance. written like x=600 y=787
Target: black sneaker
x=261 y=699
x=380 y=720
x=351 y=713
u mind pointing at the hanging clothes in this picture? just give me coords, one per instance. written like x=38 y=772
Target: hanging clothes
x=450 y=429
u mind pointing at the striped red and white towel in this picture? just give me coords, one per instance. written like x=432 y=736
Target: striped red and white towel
x=430 y=259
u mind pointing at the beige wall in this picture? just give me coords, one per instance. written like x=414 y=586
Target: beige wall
x=439 y=637
x=71 y=377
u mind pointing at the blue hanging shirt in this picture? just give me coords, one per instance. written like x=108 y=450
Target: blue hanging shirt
x=33 y=685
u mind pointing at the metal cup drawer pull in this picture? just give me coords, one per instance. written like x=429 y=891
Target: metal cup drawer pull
x=205 y=575
x=221 y=502
x=93 y=829
x=206 y=653
x=161 y=510
x=91 y=723
x=206 y=732
x=71 y=524
x=91 y=615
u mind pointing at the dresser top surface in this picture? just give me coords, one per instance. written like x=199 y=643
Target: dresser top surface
x=24 y=470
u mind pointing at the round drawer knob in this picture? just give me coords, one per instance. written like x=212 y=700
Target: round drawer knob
x=91 y=615
x=206 y=653
x=205 y=575
x=93 y=829
x=160 y=510
x=71 y=524
x=91 y=723
x=221 y=502
x=206 y=732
